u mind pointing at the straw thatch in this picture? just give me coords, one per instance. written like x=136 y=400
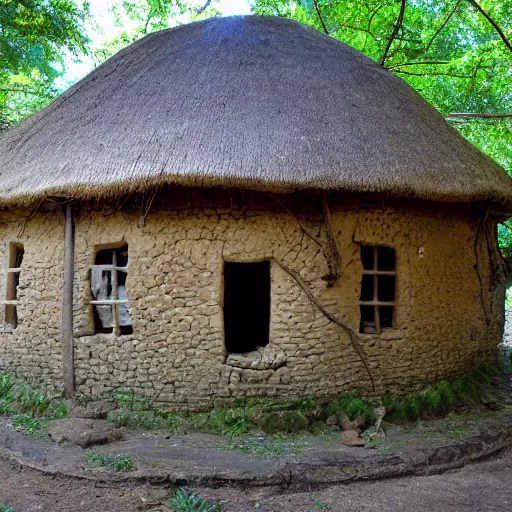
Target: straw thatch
x=255 y=102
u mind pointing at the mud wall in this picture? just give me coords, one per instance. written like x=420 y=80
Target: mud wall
x=32 y=351
x=176 y=353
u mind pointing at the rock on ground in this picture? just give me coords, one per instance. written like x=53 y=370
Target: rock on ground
x=84 y=432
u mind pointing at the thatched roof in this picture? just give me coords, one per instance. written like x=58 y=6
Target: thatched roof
x=255 y=102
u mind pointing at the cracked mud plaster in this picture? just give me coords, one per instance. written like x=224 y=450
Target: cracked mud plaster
x=176 y=354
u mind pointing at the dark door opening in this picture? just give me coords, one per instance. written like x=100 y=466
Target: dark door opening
x=246 y=306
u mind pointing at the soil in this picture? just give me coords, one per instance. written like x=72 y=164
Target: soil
x=482 y=487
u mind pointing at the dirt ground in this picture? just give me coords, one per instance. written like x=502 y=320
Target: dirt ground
x=480 y=487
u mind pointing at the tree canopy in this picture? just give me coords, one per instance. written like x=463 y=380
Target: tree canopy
x=34 y=36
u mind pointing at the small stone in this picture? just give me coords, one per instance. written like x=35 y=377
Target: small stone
x=97 y=410
x=332 y=422
x=84 y=432
x=351 y=438
x=349 y=424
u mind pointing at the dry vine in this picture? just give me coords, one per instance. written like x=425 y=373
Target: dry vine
x=354 y=338
x=329 y=248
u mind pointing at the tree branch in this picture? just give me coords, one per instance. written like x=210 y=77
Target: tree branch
x=319 y=14
x=420 y=63
x=439 y=30
x=508 y=44
x=477 y=115
x=434 y=73
x=203 y=8
x=396 y=28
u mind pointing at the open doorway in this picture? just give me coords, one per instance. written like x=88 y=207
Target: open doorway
x=246 y=306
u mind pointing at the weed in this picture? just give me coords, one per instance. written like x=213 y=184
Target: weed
x=369 y=436
x=457 y=433
x=27 y=423
x=6 y=508
x=320 y=505
x=6 y=407
x=6 y=385
x=57 y=410
x=31 y=400
x=351 y=405
x=186 y=501
x=232 y=422
x=117 y=462
x=83 y=400
x=31 y=407
x=289 y=421
x=137 y=419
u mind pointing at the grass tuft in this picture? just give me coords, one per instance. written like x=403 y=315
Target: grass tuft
x=31 y=408
x=117 y=462
x=187 y=501
x=443 y=397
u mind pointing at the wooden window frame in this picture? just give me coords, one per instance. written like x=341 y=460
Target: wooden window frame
x=375 y=302
x=113 y=269
x=11 y=287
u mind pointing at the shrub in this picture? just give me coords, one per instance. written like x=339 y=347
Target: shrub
x=352 y=406
x=288 y=421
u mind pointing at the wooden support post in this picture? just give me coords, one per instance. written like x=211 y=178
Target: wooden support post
x=68 y=363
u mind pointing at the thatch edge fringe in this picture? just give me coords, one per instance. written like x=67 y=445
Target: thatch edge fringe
x=117 y=190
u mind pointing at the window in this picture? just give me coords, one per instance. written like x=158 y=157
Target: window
x=108 y=291
x=377 y=301
x=12 y=280
x=246 y=306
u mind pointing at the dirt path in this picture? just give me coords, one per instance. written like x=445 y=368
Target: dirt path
x=477 y=488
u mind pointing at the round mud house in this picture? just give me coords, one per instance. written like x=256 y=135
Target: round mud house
x=246 y=207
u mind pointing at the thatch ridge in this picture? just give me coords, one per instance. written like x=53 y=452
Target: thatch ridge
x=253 y=102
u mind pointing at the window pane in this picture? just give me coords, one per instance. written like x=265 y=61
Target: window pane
x=104 y=257
x=386 y=316
x=18 y=256
x=367 y=288
x=103 y=319
x=367 y=257
x=123 y=315
x=11 y=316
x=385 y=258
x=122 y=256
x=386 y=288
x=367 y=319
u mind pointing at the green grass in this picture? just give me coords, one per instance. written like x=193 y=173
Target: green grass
x=305 y=415
x=187 y=501
x=320 y=505
x=31 y=409
x=6 y=508
x=120 y=462
x=268 y=445
x=457 y=433
x=440 y=399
